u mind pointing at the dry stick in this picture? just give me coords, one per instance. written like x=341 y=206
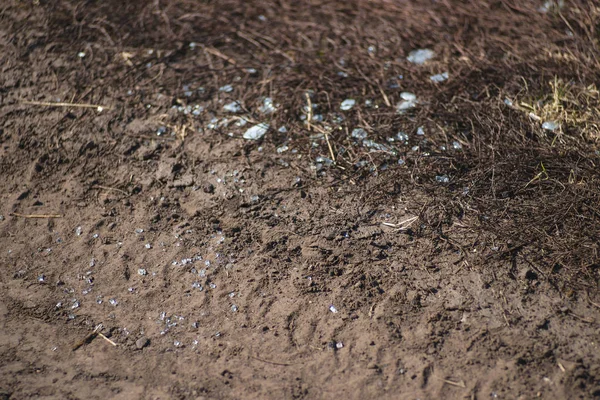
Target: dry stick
x=79 y=105
x=107 y=339
x=35 y=215
x=460 y=384
x=89 y=337
x=217 y=53
x=271 y=362
x=309 y=118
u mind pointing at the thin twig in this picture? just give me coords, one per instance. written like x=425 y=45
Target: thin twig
x=271 y=362
x=78 y=105
x=36 y=215
x=217 y=53
x=107 y=339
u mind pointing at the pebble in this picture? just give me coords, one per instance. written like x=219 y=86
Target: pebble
x=142 y=342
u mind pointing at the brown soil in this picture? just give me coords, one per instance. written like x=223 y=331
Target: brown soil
x=484 y=286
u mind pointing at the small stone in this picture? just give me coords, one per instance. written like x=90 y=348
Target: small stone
x=142 y=342
x=209 y=188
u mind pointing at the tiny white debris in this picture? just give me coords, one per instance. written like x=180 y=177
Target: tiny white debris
x=333 y=309
x=148 y=246
x=550 y=126
x=139 y=230
x=113 y=302
x=282 y=129
x=359 y=133
x=282 y=149
x=420 y=56
x=409 y=100
x=339 y=345
x=193 y=45
x=508 y=102
x=78 y=231
x=142 y=272
x=256 y=132
x=420 y=131
x=442 y=178
x=81 y=54
x=100 y=109
x=347 y=104
x=226 y=89
x=456 y=145
x=267 y=107
x=551 y=5
x=233 y=107
x=439 y=77
x=408 y=96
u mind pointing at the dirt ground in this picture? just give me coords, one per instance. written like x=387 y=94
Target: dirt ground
x=438 y=248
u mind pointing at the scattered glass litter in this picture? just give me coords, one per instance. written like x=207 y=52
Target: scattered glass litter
x=420 y=131
x=113 y=302
x=256 y=132
x=442 y=178
x=197 y=285
x=234 y=308
x=148 y=246
x=359 y=134
x=409 y=100
x=81 y=54
x=233 y=107
x=177 y=343
x=551 y=5
x=550 y=126
x=339 y=345
x=439 y=77
x=282 y=129
x=142 y=272
x=420 y=56
x=347 y=104
x=456 y=145
x=251 y=70
x=78 y=231
x=267 y=107
x=41 y=279
x=75 y=305
x=226 y=89
x=333 y=309
x=342 y=74
x=282 y=149
x=212 y=285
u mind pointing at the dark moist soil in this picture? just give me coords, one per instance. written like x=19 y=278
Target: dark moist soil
x=462 y=264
